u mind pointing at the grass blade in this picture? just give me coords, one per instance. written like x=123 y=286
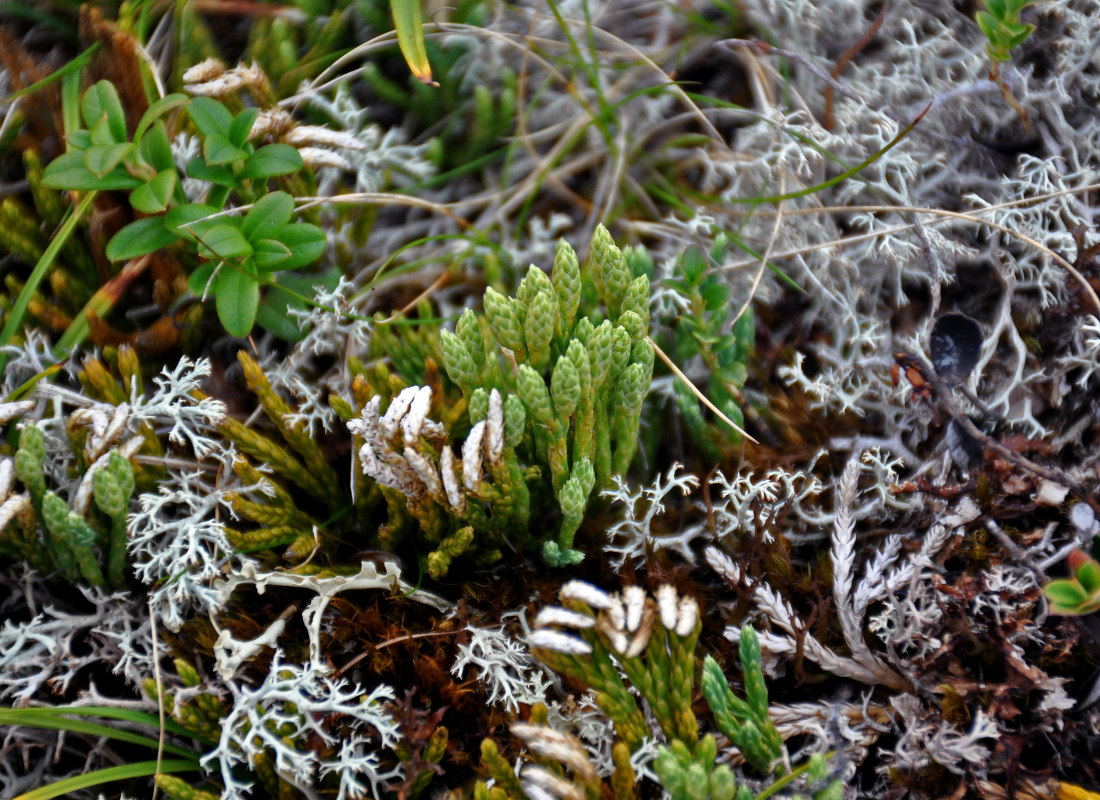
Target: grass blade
x=19 y=307
x=410 y=38
x=30 y=718
x=101 y=776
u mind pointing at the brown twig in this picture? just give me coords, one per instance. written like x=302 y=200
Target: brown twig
x=846 y=59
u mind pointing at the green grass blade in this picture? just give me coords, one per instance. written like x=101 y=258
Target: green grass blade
x=19 y=308
x=70 y=103
x=784 y=780
x=29 y=718
x=842 y=176
x=101 y=776
x=410 y=38
x=75 y=65
x=129 y=715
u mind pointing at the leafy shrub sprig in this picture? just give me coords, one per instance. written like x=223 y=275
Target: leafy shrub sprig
x=240 y=253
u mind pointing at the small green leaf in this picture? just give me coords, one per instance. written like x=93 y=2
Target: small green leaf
x=102 y=158
x=199 y=280
x=989 y=24
x=269 y=253
x=101 y=134
x=220 y=176
x=224 y=241
x=693 y=264
x=80 y=139
x=101 y=102
x=715 y=296
x=734 y=374
x=1065 y=594
x=67 y=171
x=155 y=149
x=1088 y=575
x=242 y=126
x=157 y=110
x=306 y=244
x=140 y=237
x=189 y=220
x=237 y=299
x=153 y=197
x=271 y=160
x=267 y=216
x=210 y=116
x=217 y=150
x=1017 y=35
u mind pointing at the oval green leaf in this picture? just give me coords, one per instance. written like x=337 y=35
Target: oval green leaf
x=155 y=149
x=306 y=244
x=218 y=150
x=237 y=298
x=153 y=197
x=271 y=160
x=224 y=241
x=1065 y=596
x=268 y=254
x=101 y=102
x=80 y=139
x=220 y=176
x=199 y=280
x=189 y=220
x=102 y=158
x=140 y=237
x=1088 y=575
x=210 y=116
x=67 y=171
x=267 y=216
x=242 y=126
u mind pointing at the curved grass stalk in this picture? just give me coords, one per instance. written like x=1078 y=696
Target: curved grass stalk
x=786 y=780
x=19 y=307
x=99 y=305
x=968 y=217
x=101 y=776
x=51 y=719
x=848 y=173
x=110 y=712
x=695 y=391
